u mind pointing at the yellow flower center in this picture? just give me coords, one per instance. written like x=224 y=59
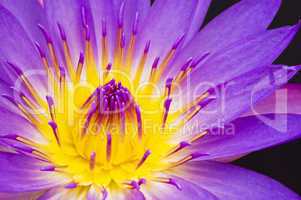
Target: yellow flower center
x=100 y=124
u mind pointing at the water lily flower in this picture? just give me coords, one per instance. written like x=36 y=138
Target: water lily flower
x=125 y=99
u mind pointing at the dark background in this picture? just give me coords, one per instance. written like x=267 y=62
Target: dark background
x=283 y=162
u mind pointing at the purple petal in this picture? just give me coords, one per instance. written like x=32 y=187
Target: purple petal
x=94 y=193
x=14 y=124
x=187 y=190
x=29 y=13
x=61 y=193
x=284 y=100
x=244 y=18
x=244 y=55
x=237 y=96
x=126 y=195
x=19 y=173
x=249 y=134
x=198 y=18
x=18 y=196
x=16 y=45
x=228 y=182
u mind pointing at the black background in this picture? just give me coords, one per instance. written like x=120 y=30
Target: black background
x=282 y=162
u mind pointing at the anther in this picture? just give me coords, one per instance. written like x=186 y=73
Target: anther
x=45 y=33
x=139 y=121
x=41 y=52
x=71 y=185
x=80 y=65
x=135 y=185
x=54 y=127
x=104 y=27
x=121 y=14
x=49 y=168
x=135 y=24
x=167 y=104
x=179 y=147
x=92 y=160
x=178 y=42
x=62 y=32
x=143 y=159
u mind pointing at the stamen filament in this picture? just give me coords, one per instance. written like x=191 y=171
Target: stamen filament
x=79 y=68
x=67 y=53
x=140 y=67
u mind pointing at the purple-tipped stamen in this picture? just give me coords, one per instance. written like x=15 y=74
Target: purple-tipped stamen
x=187 y=64
x=122 y=41
x=15 y=68
x=41 y=52
x=121 y=15
x=143 y=159
x=49 y=168
x=104 y=27
x=71 y=185
x=174 y=183
x=109 y=146
x=135 y=185
x=84 y=17
x=139 y=121
x=167 y=104
x=81 y=58
x=147 y=47
x=198 y=61
x=62 y=32
x=45 y=33
x=54 y=127
x=109 y=67
x=156 y=63
x=178 y=42
x=142 y=181
x=92 y=160
x=135 y=24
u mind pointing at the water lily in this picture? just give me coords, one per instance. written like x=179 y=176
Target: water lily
x=129 y=100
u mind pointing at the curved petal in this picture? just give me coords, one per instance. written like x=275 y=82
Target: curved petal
x=30 y=13
x=126 y=195
x=237 y=96
x=183 y=189
x=244 y=18
x=95 y=193
x=14 y=124
x=198 y=18
x=19 y=196
x=242 y=56
x=249 y=134
x=228 y=182
x=58 y=193
x=16 y=46
x=19 y=173
x=284 y=100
